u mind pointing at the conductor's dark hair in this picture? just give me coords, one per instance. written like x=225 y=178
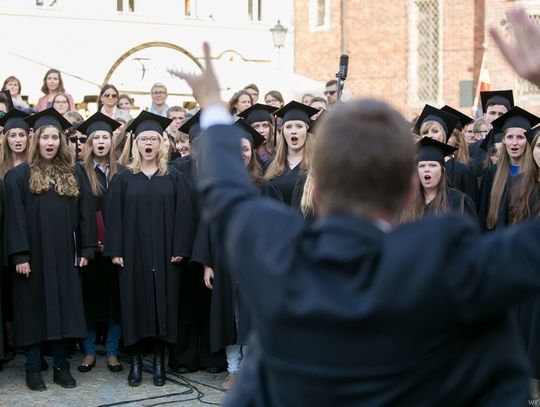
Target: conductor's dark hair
x=364 y=159
x=331 y=82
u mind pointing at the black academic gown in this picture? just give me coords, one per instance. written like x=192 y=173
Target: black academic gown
x=462 y=178
x=348 y=315
x=484 y=197
x=458 y=203
x=100 y=278
x=281 y=188
x=49 y=231
x=3 y=249
x=149 y=220
x=223 y=313
x=527 y=313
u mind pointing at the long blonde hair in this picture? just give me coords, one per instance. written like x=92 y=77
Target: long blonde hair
x=136 y=160
x=307 y=205
x=279 y=164
x=60 y=172
x=6 y=160
x=88 y=160
x=501 y=178
x=462 y=153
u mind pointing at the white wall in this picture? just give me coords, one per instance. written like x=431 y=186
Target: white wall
x=84 y=38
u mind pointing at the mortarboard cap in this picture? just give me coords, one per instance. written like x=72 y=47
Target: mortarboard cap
x=98 y=121
x=446 y=120
x=249 y=133
x=192 y=127
x=258 y=113
x=14 y=119
x=318 y=121
x=48 y=117
x=516 y=117
x=494 y=136
x=497 y=97
x=432 y=150
x=147 y=121
x=464 y=120
x=296 y=111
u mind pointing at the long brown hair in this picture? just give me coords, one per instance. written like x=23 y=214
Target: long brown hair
x=59 y=172
x=520 y=192
x=254 y=168
x=416 y=209
x=95 y=185
x=6 y=162
x=61 y=88
x=279 y=164
x=462 y=153
x=501 y=178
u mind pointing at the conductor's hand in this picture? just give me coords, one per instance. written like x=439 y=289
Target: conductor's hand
x=176 y=259
x=208 y=277
x=205 y=86
x=23 y=268
x=119 y=261
x=83 y=262
x=524 y=54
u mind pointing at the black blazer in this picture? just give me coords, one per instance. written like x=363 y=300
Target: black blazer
x=347 y=315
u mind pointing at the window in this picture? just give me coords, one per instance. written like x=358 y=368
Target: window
x=125 y=6
x=48 y=4
x=255 y=10
x=319 y=15
x=425 y=44
x=190 y=8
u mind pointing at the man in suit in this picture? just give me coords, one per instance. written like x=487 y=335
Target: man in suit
x=350 y=310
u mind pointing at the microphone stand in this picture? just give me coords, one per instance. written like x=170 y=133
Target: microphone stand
x=341 y=76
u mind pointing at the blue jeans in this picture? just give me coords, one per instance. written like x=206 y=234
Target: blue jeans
x=114 y=331
x=33 y=354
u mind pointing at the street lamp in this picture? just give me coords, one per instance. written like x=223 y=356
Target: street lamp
x=278 y=35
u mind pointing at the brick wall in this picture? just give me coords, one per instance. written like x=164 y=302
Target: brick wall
x=377 y=43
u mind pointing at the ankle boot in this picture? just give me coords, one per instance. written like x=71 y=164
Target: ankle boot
x=159 y=364
x=62 y=376
x=135 y=371
x=34 y=381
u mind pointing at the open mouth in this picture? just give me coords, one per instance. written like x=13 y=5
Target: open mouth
x=49 y=149
x=514 y=149
x=148 y=150
x=294 y=139
x=427 y=178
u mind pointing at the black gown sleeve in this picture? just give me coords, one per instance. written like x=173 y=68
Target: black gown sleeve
x=18 y=246
x=87 y=216
x=114 y=233
x=184 y=216
x=202 y=246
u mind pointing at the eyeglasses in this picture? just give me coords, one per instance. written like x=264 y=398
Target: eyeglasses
x=110 y=95
x=159 y=92
x=144 y=139
x=74 y=139
x=63 y=102
x=481 y=132
x=329 y=92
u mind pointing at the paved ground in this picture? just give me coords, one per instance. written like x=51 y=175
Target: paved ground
x=100 y=387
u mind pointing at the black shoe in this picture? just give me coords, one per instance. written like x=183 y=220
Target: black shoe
x=135 y=371
x=159 y=365
x=213 y=370
x=62 y=376
x=183 y=369
x=115 y=368
x=86 y=368
x=43 y=364
x=34 y=381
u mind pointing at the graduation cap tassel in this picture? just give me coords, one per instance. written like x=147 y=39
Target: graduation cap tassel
x=275 y=133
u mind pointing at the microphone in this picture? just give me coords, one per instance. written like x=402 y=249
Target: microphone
x=343 y=67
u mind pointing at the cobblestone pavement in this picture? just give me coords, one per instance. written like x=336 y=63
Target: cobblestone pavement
x=100 y=387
